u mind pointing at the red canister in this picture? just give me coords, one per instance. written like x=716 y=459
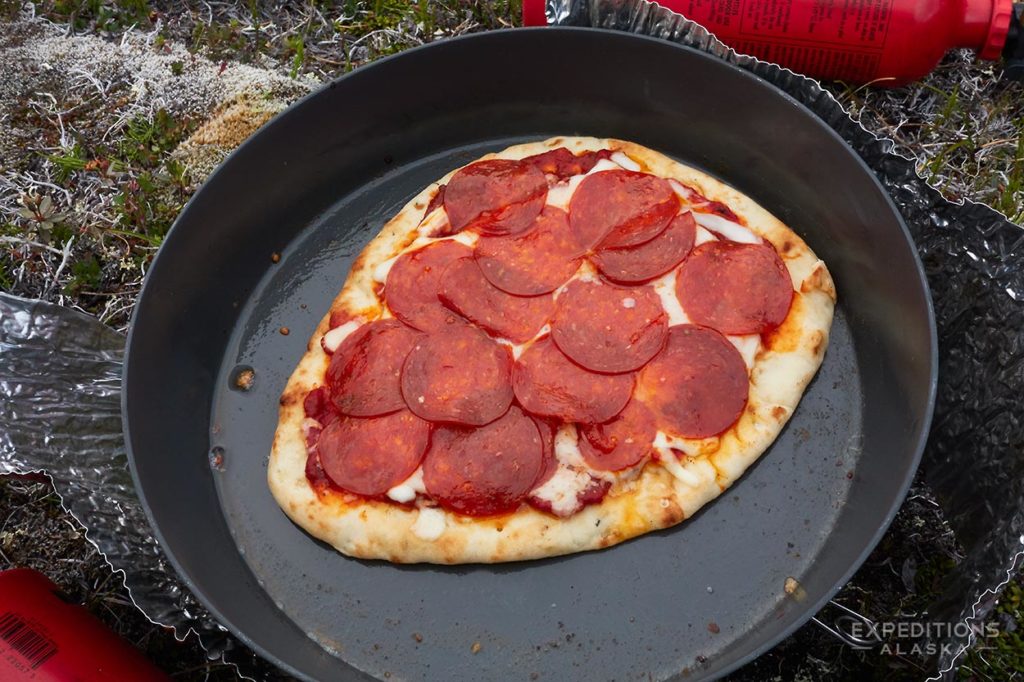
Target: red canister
x=885 y=42
x=46 y=639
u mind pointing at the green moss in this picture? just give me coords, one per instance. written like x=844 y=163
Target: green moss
x=1011 y=194
x=68 y=163
x=1000 y=657
x=61 y=233
x=222 y=41
x=297 y=45
x=9 y=9
x=969 y=156
x=6 y=273
x=100 y=15
x=6 y=260
x=146 y=140
x=424 y=16
x=86 y=275
x=146 y=207
x=929 y=579
x=151 y=199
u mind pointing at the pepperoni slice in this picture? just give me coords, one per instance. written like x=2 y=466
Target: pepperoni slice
x=620 y=443
x=312 y=436
x=484 y=471
x=549 y=384
x=649 y=260
x=370 y=456
x=547 y=429
x=562 y=163
x=465 y=290
x=535 y=262
x=318 y=405
x=608 y=328
x=314 y=472
x=497 y=196
x=458 y=375
x=620 y=208
x=735 y=288
x=413 y=283
x=697 y=386
x=364 y=371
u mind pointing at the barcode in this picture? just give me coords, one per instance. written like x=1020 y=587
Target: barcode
x=33 y=645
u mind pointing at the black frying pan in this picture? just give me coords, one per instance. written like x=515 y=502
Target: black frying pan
x=319 y=181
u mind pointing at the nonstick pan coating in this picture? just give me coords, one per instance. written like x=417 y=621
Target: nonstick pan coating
x=320 y=180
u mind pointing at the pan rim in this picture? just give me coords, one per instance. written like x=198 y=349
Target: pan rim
x=923 y=429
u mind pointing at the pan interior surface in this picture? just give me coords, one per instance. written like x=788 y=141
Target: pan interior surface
x=321 y=180
x=643 y=606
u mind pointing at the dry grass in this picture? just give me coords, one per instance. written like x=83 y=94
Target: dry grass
x=963 y=125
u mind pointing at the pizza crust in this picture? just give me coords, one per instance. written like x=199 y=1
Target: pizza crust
x=655 y=499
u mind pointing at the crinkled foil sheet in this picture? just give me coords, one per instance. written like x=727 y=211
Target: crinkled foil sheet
x=60 y=414
x=60 y=379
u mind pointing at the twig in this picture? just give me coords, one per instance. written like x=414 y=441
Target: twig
x=65 y=257
x=6 y=239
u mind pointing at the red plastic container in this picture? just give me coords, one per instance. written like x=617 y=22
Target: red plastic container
x=45 y=639
x=885 y=42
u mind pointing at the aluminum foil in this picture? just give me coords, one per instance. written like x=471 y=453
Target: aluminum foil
x=974 y=259
x=60 y=381
x=60 y=414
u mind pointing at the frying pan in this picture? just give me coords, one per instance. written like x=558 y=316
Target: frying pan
x=319 y=181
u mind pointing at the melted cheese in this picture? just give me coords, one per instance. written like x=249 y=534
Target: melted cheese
x=665 y=287
x=681 y=190
x=672 y=464
x=571 y=478
x=336 y=336
x=748 y=345
x=626 y=162
x=380 y=273
x=703 y=236
x=559 y=195
x=664 y=444
x=727 y=228
x=430 y=524
x=516 y=348
x=562 y=491
x=467 y=238
x=567 y=448
x=433 y=223
x=586 y=273
x=604 y=165
x=407 y=489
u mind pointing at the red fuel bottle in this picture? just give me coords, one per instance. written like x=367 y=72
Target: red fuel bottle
x=45 y=639
x=884 y=42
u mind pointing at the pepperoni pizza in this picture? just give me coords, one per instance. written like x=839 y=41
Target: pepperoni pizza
x=553 y=349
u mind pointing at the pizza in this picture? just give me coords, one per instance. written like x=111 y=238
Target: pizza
x=552 y=349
